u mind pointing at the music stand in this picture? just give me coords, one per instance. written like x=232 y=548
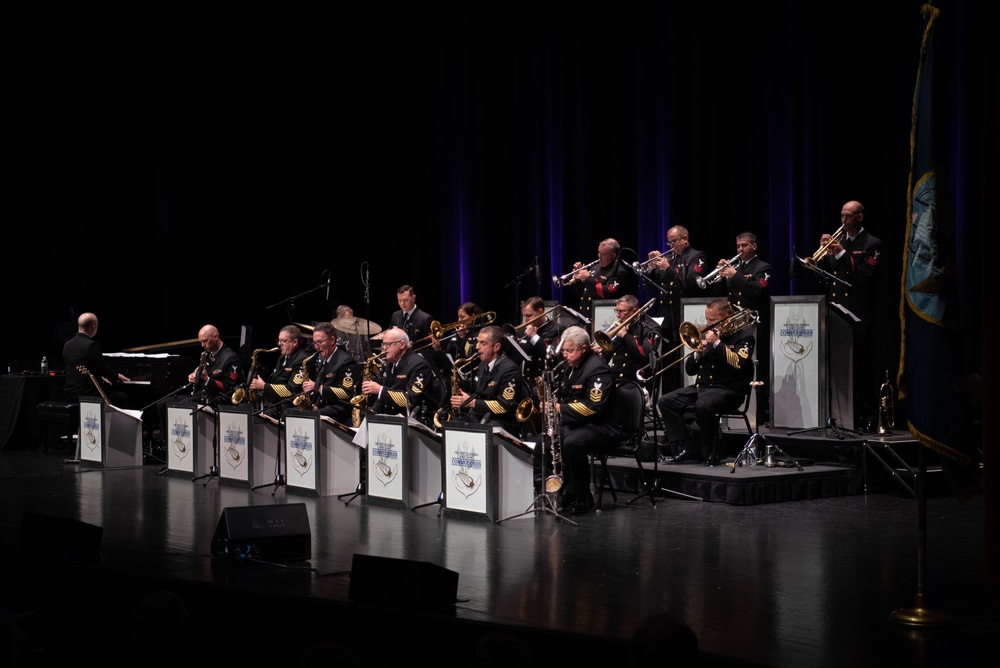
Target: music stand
x=750 y=450
x=279 y=476
x=213 y=470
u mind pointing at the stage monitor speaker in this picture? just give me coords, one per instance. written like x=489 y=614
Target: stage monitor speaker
x=58 y=538
x=263 y=533
x=401 y=583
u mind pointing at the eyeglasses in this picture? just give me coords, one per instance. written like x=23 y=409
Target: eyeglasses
x=320 y=342
x=621 y=311
x=389 y=343
x=570 y=351
x=283 y=341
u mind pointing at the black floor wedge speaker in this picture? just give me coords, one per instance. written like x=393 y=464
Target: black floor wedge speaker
x=402 y=583
x=263 y=533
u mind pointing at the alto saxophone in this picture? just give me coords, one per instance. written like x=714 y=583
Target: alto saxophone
x=241 y=394
x=303 y=400
x=362 y=402
x=443 y=414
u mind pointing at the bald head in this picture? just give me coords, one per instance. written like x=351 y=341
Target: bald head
x=87 y=323
x=208 y=337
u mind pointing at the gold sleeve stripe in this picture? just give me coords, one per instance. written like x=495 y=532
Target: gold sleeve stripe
x=339 y=393
x=398 y=398
x=281 y=391
x=495 y=407
x=732 y=358
x=581 y=408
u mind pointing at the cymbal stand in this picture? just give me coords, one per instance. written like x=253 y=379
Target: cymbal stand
x=752 y=447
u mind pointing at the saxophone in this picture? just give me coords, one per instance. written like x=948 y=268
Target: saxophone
x=551 y=422
x=443 y=414
x=241 y=394
x=362 y=402
x=303 y=400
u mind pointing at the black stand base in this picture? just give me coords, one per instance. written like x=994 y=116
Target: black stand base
x=279 y=481
x=831 y=428
x=752 y=450
x=439 y=501
x=213 y=472
x=542 y=503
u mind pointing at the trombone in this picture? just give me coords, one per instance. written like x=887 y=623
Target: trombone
x=715 y=276
x=691 y=336
x=606 y=340
x=512 y=331
x=821 y=253
x=567 y=278
x=438 y=330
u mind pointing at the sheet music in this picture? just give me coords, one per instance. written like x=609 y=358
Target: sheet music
x=339 y=425
x=136 y=414
x=497 y=429
x=152 y=356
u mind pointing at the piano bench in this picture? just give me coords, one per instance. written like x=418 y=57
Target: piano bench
x=60 y=421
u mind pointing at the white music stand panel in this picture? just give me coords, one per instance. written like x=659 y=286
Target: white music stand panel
x=189 y=437
x=109 y=436
x=798 y=352
x=515 y=481
x=387 y=435
x=339 y=465
x=234 y=445
x=302 y=451
x=265 y=444
x=424 y=461
x=467 y=466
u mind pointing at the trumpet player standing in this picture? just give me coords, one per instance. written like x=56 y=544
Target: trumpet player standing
x=853 y=257
x=609 y=279
x=724 y=369
x=677 y=273
x=630 y=348
x=335 y=375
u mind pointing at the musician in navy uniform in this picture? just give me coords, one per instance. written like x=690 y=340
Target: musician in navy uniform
x=723 y=365
x=408 y=383
x=286 y=379
x=409 y=318
x=610 y=279
x=334 y=375
x=746 y=282
x=538 y=334
x=496 y=386
x=585 y=402
x=221 y=373
x=854 y=259
x=83 y=350
x=632 y=348
x=677 y=273
x=461 y=343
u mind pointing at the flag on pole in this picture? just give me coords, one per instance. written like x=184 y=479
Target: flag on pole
x=928 y=377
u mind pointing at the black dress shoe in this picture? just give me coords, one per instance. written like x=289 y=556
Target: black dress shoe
x=584 y=506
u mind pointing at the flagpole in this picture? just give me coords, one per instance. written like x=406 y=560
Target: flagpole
x=919 y=615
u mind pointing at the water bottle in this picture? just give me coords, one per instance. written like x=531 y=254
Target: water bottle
x=45 y=366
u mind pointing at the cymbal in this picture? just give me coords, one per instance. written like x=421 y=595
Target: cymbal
x=355 y=326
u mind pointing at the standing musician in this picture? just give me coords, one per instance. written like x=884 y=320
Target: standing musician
x=723 y=365
x=286 y=379
x=539 y=333
x=853 y=257
x=334 y=376
x=409 y=318
x=585 y=402
x=631 y=349
x=610 y=279
x=497 y=383
x=677 y=274
x=408 y=378
x=747 y=285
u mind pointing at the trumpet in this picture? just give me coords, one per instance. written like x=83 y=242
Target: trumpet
x=438 y=330
x=646 y=267
x=567 y=278
x=821 y=253
x=886 y=414
x=715 y=276
x=606 y=340
x=691 y=336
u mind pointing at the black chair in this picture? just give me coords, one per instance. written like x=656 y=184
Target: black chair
x=629 y=411
x=740 y=413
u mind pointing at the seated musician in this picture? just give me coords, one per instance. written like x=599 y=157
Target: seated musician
x=334 y=375
x=724 y=369
x=84 y=351
x=539 y=333
x=408 y=381
x=461 y=343
x=585 y=399
x=631 y=349
x=496 y=386
x=285 y=381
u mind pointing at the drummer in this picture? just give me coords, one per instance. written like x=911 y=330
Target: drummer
x=353 y=333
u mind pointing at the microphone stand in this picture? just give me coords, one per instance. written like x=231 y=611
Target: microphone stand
x=204 y=405
x=516 y=285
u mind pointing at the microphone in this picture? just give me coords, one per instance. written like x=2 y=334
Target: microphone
x=538 y=272
x=327 y=285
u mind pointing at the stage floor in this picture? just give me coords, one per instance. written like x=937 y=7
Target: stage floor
x=778 y=583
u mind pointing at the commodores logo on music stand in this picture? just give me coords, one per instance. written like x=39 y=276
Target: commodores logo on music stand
x=794 y=329
x=301 y=445
x=468 y=463
x=236 y=445
x=382 y=452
